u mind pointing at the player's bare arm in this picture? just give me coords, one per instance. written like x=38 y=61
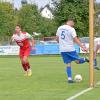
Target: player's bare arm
x=76 y=40
x=57 y=39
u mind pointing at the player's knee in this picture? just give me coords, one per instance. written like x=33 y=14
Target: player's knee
x=69 y=64
x=77 y=62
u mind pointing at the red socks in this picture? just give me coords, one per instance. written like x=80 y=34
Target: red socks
x=26 y=66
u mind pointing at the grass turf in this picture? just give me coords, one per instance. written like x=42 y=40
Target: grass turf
x=48 y=82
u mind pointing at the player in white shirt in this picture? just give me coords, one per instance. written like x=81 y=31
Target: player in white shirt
x=96 y=49
x=66 y=36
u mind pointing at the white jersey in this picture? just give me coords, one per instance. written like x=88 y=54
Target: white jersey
x=66 y=36
x=22 y=40
x=96 y=43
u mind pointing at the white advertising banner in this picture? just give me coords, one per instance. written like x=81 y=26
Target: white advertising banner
x=9 y=50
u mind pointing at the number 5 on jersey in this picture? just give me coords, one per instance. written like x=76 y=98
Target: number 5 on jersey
x=63 y=35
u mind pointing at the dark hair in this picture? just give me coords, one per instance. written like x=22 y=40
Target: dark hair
x=19 y=25
x=70 y=19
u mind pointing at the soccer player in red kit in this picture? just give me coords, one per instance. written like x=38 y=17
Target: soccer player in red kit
x=23 y=40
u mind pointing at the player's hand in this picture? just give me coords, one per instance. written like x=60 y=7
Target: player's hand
x=84 y=48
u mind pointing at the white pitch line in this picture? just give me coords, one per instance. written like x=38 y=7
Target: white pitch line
x=80 y=93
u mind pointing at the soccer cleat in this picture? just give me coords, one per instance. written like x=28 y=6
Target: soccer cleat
x=29 y=73
x=71 y=81
x=87 y=60
x=97 y=68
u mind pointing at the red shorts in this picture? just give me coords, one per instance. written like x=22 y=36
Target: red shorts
x=24 y=52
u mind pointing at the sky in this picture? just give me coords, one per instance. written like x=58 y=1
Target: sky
x=98 y=0
x=40 y=3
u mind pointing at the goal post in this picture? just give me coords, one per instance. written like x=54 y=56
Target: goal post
x=91 y=41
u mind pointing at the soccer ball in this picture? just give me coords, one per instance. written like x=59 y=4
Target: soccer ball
x=78 y=78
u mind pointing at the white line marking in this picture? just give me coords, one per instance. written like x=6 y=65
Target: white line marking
x=82 y=92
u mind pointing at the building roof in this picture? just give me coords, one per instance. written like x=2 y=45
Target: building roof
x=46 y=6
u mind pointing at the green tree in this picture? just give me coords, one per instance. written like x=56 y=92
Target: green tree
x=29 y=18
x=97 y=19
x=7 y=19
x=32 y=21
x=75 y=9
x=48 y=27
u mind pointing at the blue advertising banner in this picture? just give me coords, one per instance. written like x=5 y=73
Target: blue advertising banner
x=49 y=49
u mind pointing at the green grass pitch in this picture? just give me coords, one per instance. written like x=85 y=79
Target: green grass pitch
x=48 y=82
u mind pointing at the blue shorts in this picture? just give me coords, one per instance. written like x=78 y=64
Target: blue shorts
x=68 y=57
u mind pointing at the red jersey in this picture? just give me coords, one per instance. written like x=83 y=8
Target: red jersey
x=22 y=40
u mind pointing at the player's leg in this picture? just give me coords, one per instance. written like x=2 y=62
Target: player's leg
x=25 y=60
x=95 y=60
x=68 y=57
x=24 y=66
x=67 y=61
x=95 y=54
x=74 y=57
x=81 y=60
x=21 y=54
x=69 y=73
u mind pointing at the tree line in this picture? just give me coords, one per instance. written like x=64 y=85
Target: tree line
x=28 y=17
x=31 y=20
